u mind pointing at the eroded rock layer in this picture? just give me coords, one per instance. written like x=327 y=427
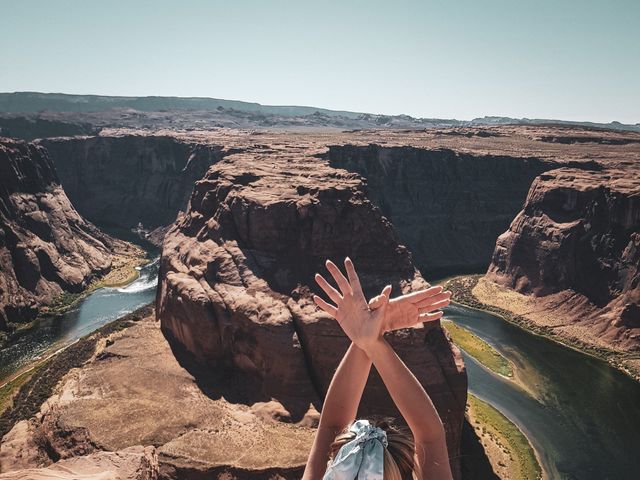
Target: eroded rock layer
x=576 y=246
x=448 y=207
x=451 y=192
x=124 y=180
x=132 y=410
x=46 y=247
x=236 y=278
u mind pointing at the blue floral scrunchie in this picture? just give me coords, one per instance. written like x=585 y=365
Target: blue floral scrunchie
x=363 y=457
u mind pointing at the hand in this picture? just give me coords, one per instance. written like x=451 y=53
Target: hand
x=408 y=310
x=403 y=312
x=361 y=324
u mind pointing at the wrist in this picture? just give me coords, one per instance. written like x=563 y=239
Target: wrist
x=370 y=347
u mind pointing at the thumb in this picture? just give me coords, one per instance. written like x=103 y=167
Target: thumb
x=382 y=308
x=376 y=301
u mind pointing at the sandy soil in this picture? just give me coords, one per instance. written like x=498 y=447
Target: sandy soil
x=123 y=270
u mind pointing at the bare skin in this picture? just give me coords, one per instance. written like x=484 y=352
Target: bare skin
x=365 y=323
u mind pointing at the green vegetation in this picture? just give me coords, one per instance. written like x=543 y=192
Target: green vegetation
x=507 y=436
x=478 y=349
x=62 y=302
x=9 y=389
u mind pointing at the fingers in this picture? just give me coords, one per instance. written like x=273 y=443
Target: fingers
x=427 y=302
x=353 y=277
x=327 y=307
x=340 y=279
x=434 y=306
x=331 y=292
x=430 y=317
x=423 y=294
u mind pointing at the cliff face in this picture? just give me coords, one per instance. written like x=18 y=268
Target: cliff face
x=125 y=180
x=448 y=207
x=46 y=247
x=579 y=232
x=236 y=278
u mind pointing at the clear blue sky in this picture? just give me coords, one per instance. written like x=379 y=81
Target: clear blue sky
x=566 y=59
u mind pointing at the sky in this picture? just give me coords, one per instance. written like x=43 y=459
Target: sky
x=560 y=59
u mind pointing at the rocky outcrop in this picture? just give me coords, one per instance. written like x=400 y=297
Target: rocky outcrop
x=576 y=247
x=46 y=247
x=447 y=206
x=121 y=181
x=134 y=463
x=236 y=278
x=133 y=404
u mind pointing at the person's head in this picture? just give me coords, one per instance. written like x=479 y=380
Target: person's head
x=398 y=454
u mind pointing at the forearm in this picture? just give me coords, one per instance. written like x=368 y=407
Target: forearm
x=339 y=409
x=412 y=401
x=345 y=391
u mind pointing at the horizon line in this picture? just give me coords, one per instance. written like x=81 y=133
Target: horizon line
x=524 y=118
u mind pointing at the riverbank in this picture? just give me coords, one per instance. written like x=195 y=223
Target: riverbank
x=507 y=448
x=55 y=330
x=474 y=292
x=124 y=270
x=479 y=349
x=31 y=388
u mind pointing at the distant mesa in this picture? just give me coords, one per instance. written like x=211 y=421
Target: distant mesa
x=97 y=111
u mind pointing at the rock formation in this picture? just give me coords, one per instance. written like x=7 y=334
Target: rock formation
x=236 y=277
x=576 y=246
x=134 y=463
x=46 y=247
x=451 y=192
x=133 y=408
x=436 y=194
x=32 y=127
x=123 y=180
x=234 y=392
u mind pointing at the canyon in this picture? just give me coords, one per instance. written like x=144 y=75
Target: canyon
x=46 y=247
x=247 y=217
x=123 y=181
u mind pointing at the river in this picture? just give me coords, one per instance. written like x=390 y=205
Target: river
x=581 y=415
x=96 y=309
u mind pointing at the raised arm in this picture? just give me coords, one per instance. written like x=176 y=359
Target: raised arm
x=339 y=409
x=345 y=391
x=415 y=406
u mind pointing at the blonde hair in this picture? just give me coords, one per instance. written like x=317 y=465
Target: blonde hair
x=399 y=461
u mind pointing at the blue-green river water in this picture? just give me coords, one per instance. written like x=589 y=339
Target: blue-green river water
x=581 y=415
x=96 y=309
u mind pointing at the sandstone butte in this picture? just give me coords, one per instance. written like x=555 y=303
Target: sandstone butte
x=236 y=279
x=250 y=355
x=46 y=247
x=574 y=253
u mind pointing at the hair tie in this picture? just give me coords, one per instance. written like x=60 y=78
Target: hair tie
x=361 y=458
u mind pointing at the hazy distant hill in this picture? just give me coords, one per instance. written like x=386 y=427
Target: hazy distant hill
x=198 y=112
x=32 y=102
